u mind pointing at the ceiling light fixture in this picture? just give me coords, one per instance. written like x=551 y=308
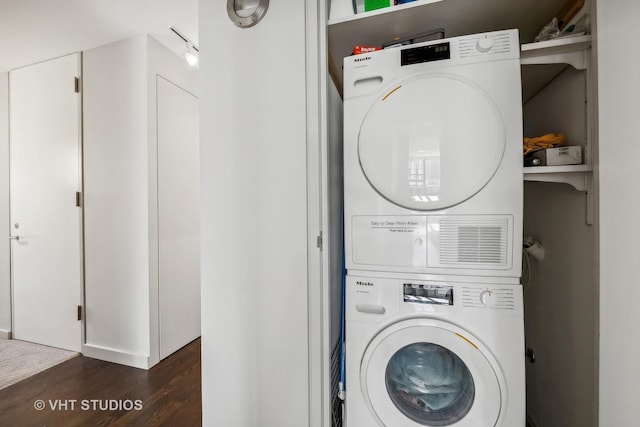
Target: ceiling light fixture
x=191 y=56
x=192 y=52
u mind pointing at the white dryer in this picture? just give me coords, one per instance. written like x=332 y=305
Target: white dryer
x=433 y=157
x=434 y=353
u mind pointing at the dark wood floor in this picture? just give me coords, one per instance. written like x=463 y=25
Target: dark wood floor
x=168 y=394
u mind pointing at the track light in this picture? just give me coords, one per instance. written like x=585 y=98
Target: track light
x=191 y=52
x=191 y=55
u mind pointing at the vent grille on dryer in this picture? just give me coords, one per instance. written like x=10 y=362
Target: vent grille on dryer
x=473 y=242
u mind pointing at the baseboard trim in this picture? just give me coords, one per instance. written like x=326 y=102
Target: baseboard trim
x=116 y=356
x=5 y=334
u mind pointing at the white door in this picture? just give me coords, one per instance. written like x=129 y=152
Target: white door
x=45 y=220
x=178 y=217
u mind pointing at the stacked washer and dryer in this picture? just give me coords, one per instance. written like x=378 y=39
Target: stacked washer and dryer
x=433 y=234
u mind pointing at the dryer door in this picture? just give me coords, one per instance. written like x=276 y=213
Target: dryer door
x=431 y=142
x=425 y=372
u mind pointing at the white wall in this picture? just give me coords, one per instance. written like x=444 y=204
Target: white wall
x=120 y=196
x=116 y=207
x=619 y=113
x=5 y=282
x=254 y=219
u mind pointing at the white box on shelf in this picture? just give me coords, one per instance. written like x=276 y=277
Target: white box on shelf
x=571 y=155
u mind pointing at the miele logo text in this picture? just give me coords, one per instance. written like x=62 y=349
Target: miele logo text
x=365 y=58
x=364 y=283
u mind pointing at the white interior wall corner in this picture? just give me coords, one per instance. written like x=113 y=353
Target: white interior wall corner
x=5 y=270
x=116 y=176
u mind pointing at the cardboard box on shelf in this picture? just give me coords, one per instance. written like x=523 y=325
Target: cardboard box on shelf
x=571 y=155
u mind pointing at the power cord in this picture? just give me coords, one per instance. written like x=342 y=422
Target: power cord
x=526 y=269
x=530 y=248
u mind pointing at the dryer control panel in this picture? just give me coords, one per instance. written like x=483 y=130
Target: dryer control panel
x=428 y=53
x=370 y=72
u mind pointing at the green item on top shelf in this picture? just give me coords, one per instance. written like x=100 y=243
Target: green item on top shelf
x=375 y=4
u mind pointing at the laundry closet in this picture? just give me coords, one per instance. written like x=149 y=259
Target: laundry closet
x=238 y=231
x=559 y=96
x=242 y=232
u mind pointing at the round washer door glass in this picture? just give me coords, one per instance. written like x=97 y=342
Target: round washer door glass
x=431 y=142
x=430 y=384
x=425 y=372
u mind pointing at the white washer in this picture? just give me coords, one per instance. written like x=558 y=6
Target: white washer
x=434 y=353
x=433 y=157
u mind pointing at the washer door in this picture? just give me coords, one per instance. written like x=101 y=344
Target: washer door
x=431 y=142
x=425 y=372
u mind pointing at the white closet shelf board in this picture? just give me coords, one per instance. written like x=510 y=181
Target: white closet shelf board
x=456 y=17
x=562 y=47
x=574 y=175
x=543 y=61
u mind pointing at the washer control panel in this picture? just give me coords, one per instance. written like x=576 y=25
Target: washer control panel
x=490 y=297
x=374 y=299
x=428 y=293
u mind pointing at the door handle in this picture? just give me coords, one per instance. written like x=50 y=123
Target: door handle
x=14 y=237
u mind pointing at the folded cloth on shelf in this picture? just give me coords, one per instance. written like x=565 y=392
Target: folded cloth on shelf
x=549 y=140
